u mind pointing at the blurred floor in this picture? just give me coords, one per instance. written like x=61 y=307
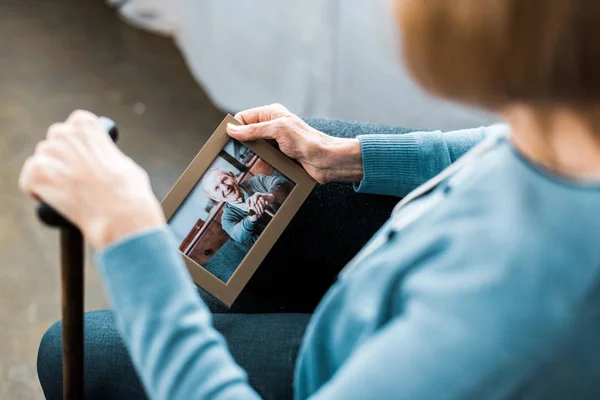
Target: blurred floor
x=54 y=57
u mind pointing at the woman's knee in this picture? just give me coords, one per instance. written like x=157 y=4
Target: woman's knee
x=49 y=362
x=108 y=371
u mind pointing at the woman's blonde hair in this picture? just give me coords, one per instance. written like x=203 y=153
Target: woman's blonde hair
x=492 y=53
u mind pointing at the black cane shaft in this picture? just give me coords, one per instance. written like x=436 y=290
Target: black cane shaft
x=72 y=275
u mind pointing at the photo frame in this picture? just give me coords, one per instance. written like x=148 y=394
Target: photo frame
x=213 y=209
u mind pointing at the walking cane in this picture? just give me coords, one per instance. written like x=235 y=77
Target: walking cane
x=72 y=278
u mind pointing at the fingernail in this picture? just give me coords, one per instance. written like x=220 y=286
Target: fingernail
x=232 y=128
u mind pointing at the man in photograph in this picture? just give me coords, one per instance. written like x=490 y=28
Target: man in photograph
x=248 y=204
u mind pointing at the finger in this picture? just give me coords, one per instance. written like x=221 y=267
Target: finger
x=59 y=149
x=82 y=117
x=46 y=147
x=26 y=175
x=262 y=114
x=260 y=130
x=86 y=125
x=60 y=140
x=36 y=171
x=260 y=209
x=58 y=131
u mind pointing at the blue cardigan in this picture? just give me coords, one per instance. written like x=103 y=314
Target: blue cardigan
x=482 y=285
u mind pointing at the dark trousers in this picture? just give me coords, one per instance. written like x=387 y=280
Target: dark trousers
x=265 y=325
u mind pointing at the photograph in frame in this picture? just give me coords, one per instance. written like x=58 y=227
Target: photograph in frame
x=230 y=206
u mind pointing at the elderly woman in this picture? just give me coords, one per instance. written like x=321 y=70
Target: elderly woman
x=482 y=284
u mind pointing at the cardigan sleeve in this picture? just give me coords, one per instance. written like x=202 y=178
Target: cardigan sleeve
x=164 y=323
x=397 y=164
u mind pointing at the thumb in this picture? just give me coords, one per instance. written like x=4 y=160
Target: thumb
x=244 y=133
